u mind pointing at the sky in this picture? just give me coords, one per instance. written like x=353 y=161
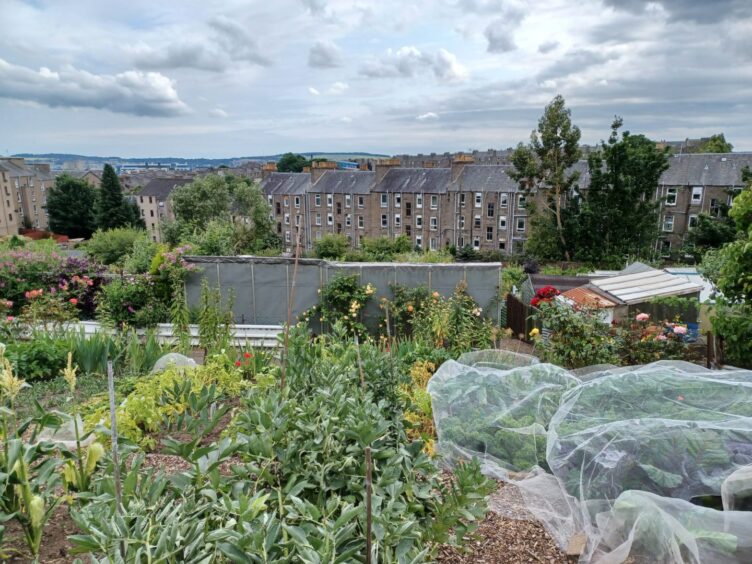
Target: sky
x=231 y=78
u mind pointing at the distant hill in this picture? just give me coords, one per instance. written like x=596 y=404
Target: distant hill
x=93 y=161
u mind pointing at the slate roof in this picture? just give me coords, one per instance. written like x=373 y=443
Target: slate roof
x=15 y=170
x=484 y=178
x=82 y=173
x=415 y=180
x=345 y=182
x=706 y=169
x=286 y=183
x=161 y=188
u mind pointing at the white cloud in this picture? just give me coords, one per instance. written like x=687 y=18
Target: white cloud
x=130 y=92
x=228 y=44
x=346 y=119
x=409 y=61
x=324 y=55
x=313 y=91
x=427 y=116
x=338 y=88
x=218 y=113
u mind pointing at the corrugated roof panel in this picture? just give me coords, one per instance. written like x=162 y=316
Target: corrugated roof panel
x=634 y=288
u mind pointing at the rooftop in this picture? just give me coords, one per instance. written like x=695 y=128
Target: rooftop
x=161 y=188
x=639 y=287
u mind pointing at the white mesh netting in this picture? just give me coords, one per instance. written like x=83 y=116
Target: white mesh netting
x=627 y=456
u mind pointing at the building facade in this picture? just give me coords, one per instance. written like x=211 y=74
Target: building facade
x=154 y=204
x=23 y=189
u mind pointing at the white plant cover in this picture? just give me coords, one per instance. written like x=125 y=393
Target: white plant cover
x=626 y=449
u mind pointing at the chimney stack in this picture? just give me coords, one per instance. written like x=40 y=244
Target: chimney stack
x=383 y=166
x=320 y=167
x=267 y=169
x=458 y=164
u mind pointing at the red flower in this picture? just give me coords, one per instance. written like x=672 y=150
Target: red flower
x=74 y=301
x=535 y=301
x=237 y=363
x=247 y=355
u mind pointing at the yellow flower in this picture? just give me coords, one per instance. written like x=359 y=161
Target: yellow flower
x=535 y=332
x=36 y=511
x=10 y=385
x=69 y=373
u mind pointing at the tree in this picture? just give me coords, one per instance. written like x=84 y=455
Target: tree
x=70 y=207
x=710 y=232
x=290 y=162
x=544 y=168
x=202 y=200
x=112 y=209
x=716 y=144
x=331 y=246
x=616 y=217
x=114 y=245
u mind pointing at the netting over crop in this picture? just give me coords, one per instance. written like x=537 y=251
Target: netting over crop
x=625 y=455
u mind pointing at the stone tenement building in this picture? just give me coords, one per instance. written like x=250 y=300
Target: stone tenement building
x=468 y=203
x=23 y=195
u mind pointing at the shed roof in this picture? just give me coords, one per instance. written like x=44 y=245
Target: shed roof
x=561 y=283
x=640 y=287
x=345 y=182
x=585 y=297
x=415 y=180
x=286 y=183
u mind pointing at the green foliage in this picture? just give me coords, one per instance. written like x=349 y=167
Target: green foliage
x=129 y=301
x=710 y=233
x=70 y=207
x=41 y=358
x=407 y=305
x=716 y=144
x=578 y=337
x=616 y=217
x=383 y=249
x=544 y=166
x=342 y=301
x=111 y=247
x=331 y=246
x=139 y=260
x=215 y=321
x=290 y=162
x=511 y=276
x=733 y=322
x=112 y=209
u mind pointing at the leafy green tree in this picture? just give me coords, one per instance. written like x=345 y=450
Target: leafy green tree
x=544 y=167
x=331 y=247
x=201 y=201
x=112 y=209
x=114 y=245
x=716 y=144
x=290 y=162
x=616 y=218
x=70 y=207
x=710 y=232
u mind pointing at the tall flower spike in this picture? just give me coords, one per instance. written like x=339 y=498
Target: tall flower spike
x=69 y=373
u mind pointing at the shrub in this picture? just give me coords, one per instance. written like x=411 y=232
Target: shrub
x=342 y=300
x=113 y=245
x=130 y=301
x=331 y=247
x=141 y=256
x=641 y=341
x=39 y=359
x=407 y=305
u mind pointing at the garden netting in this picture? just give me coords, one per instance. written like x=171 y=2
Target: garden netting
x=652 y=463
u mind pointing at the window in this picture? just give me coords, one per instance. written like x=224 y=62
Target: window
x=151 y=213
x=671 y=196
x=502 y=245
x=317 y=199
x=279 y=208
x=520 y=224
x=419 y=241
x=434 y=201
x=318 y=219
x=384 y=221
x=419 y=221
x=329 y=200
x=288 y=239
x=287 y=219
x=297 y=201
x=150 y=199
x=697 y=195
x=397 y=220
x=490 y=210
x=142 y=199
x=715 y=207
x=329 y=219
x=521 y=201
x=418 y=200
x=665 y=248
x=693 y=220
x=268 y=199
x=361 y=223
x=297 y=220
x=287 y=202
x=476 y=222
x=348 y=201
x=361 y=202
x=478 y=199
x=476 y=243
x=339 y=208
x=408 y=229
x=348 y=220
x=153 y=227
x=434 y=243
x=462 y=200
x=460 y=242
x=434 y=224
x=408 y=209
x=397 y=200
x=461 y=222
x=384 y=200
x=502 y=222
x=489 y=233
x=668 y=223
x=503 y=200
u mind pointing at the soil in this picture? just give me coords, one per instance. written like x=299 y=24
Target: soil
x=55 y=547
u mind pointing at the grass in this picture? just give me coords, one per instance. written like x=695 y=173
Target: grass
x=54 y=393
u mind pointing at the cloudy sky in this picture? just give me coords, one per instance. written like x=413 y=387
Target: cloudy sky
x=232 y=78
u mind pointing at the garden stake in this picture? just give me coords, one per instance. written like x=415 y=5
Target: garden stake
x=113 y=429
x=290 y=298
x=360 y=364
x=369 y=517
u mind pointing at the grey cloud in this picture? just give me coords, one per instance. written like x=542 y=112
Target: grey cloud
x=315 y=6
x=500 y=32
x=547 y=46
x=699 y=11
x=130 y=92
x=230 y=43
x=573 y=62
x=410 y=61
x=324 y=55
